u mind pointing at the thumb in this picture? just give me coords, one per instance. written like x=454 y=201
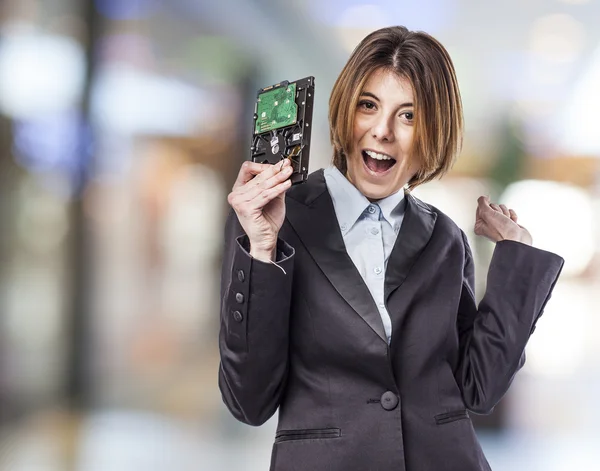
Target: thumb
x=483 y=206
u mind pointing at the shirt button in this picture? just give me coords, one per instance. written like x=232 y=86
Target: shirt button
x=374 y=231
x=237 y=316
x=240 y=275
x=377 y=270
x=381 y=305
x=344 y=227
x=372 y=209
x=239 y=297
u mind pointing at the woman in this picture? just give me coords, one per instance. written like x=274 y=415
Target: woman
x=348 y=304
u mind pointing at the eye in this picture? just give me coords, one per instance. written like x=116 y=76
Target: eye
x=367 y=105
x=408 y=116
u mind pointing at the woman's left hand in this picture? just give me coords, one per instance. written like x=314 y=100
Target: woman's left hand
x=497 y=222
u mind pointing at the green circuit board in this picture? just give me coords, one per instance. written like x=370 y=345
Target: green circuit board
x=276 y=109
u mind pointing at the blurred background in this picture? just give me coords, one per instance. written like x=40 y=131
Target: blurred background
x=123 y=124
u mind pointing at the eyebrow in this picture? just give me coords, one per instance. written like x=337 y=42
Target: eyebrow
x=372 y=95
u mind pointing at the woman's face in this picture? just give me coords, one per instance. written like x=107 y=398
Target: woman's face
x=380 y=163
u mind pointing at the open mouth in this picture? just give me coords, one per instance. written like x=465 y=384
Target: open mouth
x=376 y=162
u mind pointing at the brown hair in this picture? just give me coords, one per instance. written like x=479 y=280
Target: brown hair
x=426 y=64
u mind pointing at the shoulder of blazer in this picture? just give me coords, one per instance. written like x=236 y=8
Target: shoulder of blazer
x=444 y=223
x=306 y=193
x=421 y=204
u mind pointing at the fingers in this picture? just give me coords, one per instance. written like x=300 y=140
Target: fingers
x=248 y=171
x=497 y=222
x=268 y=172
x=263 y=198
x=484 y=205
x=261 y=188
x=266 y=182
x=500 y=208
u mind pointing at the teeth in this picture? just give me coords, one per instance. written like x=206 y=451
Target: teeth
x=377 y=156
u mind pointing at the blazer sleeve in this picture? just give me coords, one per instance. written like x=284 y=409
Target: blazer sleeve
x=253 y=336
x=493 y=335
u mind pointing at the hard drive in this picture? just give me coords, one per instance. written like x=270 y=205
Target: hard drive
x=283 y=124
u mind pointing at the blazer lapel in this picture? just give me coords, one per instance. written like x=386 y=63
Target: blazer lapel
x=315 y=222
x=414 y=235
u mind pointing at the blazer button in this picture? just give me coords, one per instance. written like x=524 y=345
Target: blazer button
x=239 y=297
x=389 y=400
x=237 y=316
x=241 y=275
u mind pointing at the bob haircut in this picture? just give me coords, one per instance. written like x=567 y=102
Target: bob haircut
x=425 y=63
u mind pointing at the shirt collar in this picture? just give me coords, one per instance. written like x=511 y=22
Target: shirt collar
x=391 y=207
x=349 y=203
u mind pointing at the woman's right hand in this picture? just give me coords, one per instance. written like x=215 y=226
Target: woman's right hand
x=258 y=199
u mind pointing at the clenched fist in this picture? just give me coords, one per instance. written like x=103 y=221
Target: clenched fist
x=497 y=222
x=257 y=198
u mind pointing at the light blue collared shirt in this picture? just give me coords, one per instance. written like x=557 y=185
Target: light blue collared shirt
x=369 y=231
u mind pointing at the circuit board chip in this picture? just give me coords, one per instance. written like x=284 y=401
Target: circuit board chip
x=276 y=109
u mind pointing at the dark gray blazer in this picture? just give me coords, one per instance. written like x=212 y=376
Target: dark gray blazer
x=312 y=343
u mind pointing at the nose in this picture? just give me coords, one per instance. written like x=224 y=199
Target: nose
x=382 y=130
